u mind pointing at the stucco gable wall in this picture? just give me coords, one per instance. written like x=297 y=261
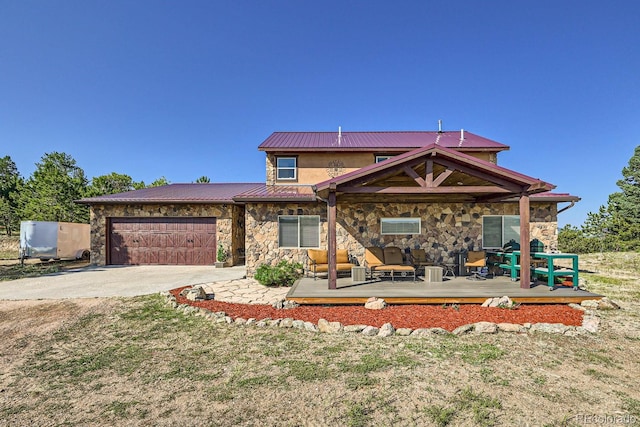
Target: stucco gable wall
x=446 y=228
x=229 y=223
x=316 y=167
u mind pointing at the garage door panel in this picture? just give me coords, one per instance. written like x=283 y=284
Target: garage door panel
x=172 y=241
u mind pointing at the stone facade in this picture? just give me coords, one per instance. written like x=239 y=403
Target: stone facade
x=230 y=230
x=271 y=169
x=544 y=224
x=446 y=228
x=261 y=219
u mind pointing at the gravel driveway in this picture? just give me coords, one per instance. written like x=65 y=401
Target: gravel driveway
x=114 y=281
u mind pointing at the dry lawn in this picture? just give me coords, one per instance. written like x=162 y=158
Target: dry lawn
x=137 y=362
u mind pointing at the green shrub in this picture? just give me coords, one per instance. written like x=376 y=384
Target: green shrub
x=222 y=254
x=283 y=274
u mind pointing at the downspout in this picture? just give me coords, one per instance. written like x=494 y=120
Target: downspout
x=573 y=203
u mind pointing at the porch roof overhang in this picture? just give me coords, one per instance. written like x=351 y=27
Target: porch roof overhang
x=277 y=193
x=433 y=173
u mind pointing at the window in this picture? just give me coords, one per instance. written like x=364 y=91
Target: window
x=299 y=231
x=286 y=168
x=400 y=225
x=382 y=158
x=499 y=229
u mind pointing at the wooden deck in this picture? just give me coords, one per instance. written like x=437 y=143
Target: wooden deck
x=458 y=290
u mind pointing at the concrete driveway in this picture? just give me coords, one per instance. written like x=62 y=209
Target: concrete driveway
x=115 y=281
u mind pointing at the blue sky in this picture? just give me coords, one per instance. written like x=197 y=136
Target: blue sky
x=188 y=88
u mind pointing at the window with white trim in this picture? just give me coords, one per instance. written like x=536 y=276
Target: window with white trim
x=499 y=229
x=286 y=168
x=299 y=231
x=400 y=225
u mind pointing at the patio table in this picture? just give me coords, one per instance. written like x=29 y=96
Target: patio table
x=551 y=271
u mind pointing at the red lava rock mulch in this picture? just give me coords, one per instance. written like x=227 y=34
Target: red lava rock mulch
x=400 y=316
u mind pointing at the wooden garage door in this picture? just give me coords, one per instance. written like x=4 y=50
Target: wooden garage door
x=173 y=241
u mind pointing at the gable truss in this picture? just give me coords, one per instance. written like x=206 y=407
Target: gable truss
x=431 y=181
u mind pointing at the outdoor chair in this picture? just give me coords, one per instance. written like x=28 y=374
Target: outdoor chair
x=373 y=258
x=419 y=259
x=477 y=260
x=318 y=261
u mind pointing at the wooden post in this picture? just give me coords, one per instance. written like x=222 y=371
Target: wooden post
x=331 y=220
x=525 y=252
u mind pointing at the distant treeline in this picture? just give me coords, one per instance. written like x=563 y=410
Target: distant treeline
x=49 y=194
x=616 y=226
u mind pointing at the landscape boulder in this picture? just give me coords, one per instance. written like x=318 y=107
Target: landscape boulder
x=485 y=328
x=374 y=303
x=327 y=327
x=386 y=330
x=194 y=294
x=370 y=331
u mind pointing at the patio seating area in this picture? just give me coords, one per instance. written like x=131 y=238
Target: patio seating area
x=387 y=263
x=456 y=290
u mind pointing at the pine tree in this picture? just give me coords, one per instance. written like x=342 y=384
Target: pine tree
x=624 y=206
x=111 y=184
x=50 y=193
x=10 y=182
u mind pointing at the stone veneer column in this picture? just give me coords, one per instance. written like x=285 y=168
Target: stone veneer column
x=271 y=169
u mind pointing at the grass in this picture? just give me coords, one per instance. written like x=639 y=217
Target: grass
x=357 y=415
x=467 y=403
x=9 y=246
x=17 y=271
x=631 y=406
x=596 y=357
x=440 y=415
x=612 y=273
x=451 y=346
x=305 y=370
x=368 y=363
x=488 y=376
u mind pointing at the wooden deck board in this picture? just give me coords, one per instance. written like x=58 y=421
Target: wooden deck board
x=459 y=290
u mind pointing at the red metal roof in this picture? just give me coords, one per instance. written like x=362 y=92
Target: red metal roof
x=267 y=193
x=178 y=193
x=376 y=141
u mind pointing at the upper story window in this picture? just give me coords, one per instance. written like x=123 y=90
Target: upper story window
x=382 y=157
x=286 y=168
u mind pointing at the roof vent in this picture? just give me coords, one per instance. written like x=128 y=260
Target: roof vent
x=461 y=137
x=439 y=126
x=339 y=135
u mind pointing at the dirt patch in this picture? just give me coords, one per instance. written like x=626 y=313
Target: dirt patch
x=23 y=324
